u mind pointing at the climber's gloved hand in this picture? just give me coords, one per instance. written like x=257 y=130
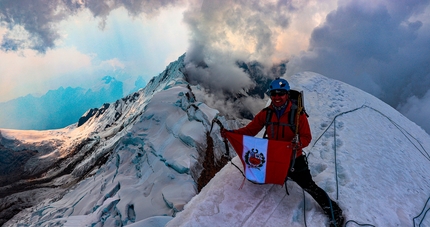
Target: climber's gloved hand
x=223 y=132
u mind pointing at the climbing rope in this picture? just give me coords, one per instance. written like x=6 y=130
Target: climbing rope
x=358 y=223
x=425 y=213
x=335 y=160
x=331 y=208
x=333 y=122
x=423 y=151
x=401 y=129
x=404 y=132
x=304 y=208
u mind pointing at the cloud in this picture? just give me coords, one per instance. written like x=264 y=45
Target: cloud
x=34 y=24
x=244 y=27
x=224 y=32
x=126 y=48
x=113 y=63
x=417 y=110
x=382 y=48
x=220 y=31
x=16 y=67
x=37 y=18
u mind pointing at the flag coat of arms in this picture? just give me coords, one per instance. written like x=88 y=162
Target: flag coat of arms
x=264 y=161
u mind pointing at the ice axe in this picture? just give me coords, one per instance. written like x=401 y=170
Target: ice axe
x=216 y=120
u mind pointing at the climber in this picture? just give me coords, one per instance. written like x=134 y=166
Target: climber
x=277 y=119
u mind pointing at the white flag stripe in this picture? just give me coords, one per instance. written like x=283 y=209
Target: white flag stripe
x=260 y=146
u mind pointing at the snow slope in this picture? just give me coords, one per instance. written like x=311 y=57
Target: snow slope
x=132 y=159
x=372 y=160
x=135 y=162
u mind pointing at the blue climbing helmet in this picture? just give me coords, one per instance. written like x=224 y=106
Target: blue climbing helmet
x=279 y=84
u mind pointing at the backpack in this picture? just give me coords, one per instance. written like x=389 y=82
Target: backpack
x=296 y=98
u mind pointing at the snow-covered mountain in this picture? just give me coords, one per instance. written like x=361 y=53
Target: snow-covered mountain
x=146 y=147
x=57 y=108
x=366 y=155
x=142 y=160
x=62 y=107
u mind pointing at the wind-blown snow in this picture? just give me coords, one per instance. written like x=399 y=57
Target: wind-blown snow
x=371 y=159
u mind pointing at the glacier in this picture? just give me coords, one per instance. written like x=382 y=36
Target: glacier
x=138 y=161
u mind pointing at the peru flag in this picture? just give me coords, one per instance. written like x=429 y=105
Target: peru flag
x=264 y=161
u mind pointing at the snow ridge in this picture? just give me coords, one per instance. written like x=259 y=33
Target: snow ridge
x=365 y=155
x=134 y=162
x=129 y=162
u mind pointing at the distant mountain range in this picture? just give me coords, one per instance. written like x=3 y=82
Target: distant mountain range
x=61 y=107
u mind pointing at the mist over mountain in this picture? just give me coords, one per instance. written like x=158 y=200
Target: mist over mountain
x=151 y=159
x=62 y=107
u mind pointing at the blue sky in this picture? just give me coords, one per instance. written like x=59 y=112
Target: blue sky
x=126 y=47
x=382 y=46
x=142 y=44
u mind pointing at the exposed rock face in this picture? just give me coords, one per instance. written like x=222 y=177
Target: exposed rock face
x=92 y=112
x=12 y=161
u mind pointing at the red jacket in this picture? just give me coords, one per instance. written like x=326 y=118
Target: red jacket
x=279 y=130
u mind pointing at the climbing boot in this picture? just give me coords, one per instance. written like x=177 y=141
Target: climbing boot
x=338 y=220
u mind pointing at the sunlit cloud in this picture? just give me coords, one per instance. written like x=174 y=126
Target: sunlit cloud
x=382 y=46
x=28 y=71
x=114 y=63
x=126 y=48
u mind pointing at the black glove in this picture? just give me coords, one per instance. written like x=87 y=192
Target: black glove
x=223 y=132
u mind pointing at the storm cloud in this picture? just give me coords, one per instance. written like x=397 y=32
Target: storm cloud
x=34 y=24
x=382 y=47
x=223 y=32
